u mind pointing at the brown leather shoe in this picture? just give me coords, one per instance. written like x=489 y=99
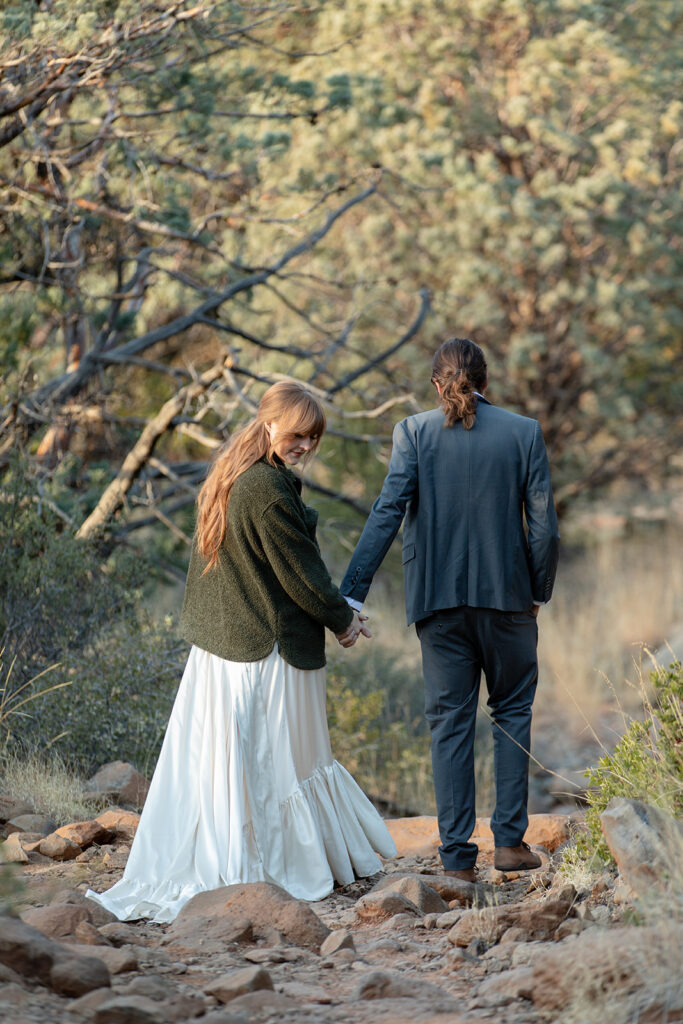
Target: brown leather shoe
x=464 y=874
x=516 y=858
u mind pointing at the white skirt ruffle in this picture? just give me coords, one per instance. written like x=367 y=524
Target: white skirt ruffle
x=246 y=790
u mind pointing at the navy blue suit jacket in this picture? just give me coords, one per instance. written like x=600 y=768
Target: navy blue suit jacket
x=465 y=496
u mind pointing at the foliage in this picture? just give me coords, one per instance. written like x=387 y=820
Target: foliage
x=519 y=159
x=376 y=731
x=71 y=607
x=646 y=764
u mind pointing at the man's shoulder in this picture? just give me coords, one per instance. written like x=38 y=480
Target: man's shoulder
x=488 y=411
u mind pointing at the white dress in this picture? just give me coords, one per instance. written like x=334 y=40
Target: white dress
x=246 y=790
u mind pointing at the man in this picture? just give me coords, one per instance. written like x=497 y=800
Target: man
x=466 y=477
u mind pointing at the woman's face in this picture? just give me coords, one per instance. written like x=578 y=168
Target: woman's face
x=290 y=449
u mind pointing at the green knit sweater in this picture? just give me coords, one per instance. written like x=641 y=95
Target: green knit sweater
x=270 y=584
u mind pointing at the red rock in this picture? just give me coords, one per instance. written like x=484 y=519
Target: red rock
x=419 y=837
x=119 y=822
x=58 y=848
x=236 y=913
x=84 y=833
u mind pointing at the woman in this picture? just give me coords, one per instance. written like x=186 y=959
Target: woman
x=246 y=788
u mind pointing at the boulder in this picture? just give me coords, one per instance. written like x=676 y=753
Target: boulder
x=238 y=983
x=36 y=823
x=57 y=921
x=415 y=889
x=419 y=837
x=546 y=830
x=415 y=837
x=12 y=850
x=30 y=953
x=379 y=906
x=119 y=822
x=10 y=807
x=646 y=843
x=84 y=833
x=118 y=933
x=121 y=781
x=238 y=913
x=538 y=920
x=58 y=848
x=97 y=914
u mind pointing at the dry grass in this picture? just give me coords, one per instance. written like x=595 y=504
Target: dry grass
x=610 y=602
x=49 y=784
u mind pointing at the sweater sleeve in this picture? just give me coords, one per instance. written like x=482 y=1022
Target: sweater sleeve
x=298 y=565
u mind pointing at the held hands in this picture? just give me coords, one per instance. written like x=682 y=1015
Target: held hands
x=351 y=634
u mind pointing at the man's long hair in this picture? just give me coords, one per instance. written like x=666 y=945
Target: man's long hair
x=459 y=368
x=296 y=411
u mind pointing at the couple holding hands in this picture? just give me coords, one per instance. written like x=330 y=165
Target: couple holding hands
x=246 y=788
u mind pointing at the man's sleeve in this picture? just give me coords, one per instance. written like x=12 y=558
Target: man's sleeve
x=298 y=565
x=543 y=537
x=385 y=516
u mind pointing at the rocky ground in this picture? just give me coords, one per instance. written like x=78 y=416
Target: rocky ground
x=408 y=945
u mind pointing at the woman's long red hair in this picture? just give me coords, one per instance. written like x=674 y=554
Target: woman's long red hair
x=297 y=412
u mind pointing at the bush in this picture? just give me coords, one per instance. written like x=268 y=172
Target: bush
x=73 y=624
x=646 y=764
x=377 y=729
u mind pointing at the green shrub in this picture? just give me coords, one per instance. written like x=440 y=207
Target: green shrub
x=646 y=764
x=73 y=623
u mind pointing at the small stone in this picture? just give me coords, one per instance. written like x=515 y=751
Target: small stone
x=118 y=933
x=340 y=939
x=86 y=1005
x=97 y=914
x=118 y=858
x=571 y=927
x=150 y=985
x=238 y=983
x=58 y=848
x=448 y=919
x=378 y=906
x=129 y=1010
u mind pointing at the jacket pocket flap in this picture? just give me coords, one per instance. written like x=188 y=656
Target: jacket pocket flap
x=408 y=553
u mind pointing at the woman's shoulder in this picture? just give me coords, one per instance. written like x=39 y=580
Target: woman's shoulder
x=262 y=484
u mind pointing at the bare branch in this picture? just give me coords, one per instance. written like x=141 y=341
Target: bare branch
x=410 y=333
x=140 y=452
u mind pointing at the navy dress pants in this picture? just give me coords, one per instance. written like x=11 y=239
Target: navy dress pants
x=457 y=645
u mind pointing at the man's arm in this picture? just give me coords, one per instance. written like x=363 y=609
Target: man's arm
x=543 y=537
x=385 y=517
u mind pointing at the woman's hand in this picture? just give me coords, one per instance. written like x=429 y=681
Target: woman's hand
x=354 y=630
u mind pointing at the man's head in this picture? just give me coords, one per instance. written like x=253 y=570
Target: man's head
x=458 y=371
